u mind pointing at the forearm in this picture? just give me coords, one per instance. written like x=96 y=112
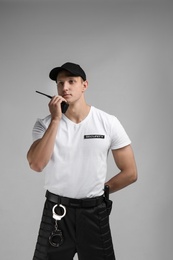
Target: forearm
x=41 y=151
x=121 y=180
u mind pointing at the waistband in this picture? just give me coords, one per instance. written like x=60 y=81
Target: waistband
x=77 y=203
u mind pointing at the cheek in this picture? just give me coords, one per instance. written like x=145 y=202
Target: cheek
x=59 y=90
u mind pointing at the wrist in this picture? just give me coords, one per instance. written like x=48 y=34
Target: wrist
x=55 y=120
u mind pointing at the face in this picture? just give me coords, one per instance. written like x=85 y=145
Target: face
x=70 y=87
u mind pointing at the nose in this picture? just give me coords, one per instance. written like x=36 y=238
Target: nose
x=66 y=85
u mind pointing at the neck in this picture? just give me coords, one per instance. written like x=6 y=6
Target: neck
x=77 y=112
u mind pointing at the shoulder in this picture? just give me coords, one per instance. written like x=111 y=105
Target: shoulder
x=111 y=124
x=44 y=121
x=104 y=116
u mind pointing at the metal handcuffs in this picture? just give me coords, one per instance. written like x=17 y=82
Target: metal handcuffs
x=56 y=237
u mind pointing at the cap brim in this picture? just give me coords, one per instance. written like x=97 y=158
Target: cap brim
x=54 y=73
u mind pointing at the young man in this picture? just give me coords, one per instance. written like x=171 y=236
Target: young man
x=72 y=150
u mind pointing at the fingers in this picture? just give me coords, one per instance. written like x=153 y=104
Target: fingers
x=55 y=106
x=55 y=100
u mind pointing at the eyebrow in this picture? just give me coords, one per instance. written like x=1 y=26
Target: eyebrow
x=67 y=78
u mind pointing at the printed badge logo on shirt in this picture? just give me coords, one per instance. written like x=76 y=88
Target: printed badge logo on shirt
x=94 y=136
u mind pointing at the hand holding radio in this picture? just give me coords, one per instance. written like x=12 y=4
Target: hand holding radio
x=55 y=107
x=64 y=104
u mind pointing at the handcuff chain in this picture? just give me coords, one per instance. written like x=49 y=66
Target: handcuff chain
x=56 y=225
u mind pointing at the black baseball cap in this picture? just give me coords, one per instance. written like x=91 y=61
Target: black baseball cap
x=73 y=68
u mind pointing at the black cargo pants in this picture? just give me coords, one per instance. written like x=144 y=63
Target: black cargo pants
x=85 y=229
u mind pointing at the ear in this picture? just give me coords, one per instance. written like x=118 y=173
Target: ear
x=85 y=85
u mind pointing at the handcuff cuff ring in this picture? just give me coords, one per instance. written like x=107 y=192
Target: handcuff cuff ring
x=55 y=215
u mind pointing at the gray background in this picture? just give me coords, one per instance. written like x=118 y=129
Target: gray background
x=125 y=47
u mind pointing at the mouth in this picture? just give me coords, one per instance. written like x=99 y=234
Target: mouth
x=66 y=95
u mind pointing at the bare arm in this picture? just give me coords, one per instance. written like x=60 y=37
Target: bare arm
x=125 y=161
x=41 y=150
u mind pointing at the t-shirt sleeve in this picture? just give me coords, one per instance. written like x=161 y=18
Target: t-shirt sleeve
x=119 y=137
x=38 y=130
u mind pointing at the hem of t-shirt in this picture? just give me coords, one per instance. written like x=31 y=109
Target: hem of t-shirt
x=74 y=196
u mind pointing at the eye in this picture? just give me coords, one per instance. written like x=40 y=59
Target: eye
x=71 y=81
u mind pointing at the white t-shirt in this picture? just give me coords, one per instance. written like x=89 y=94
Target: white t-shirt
x=78 y=166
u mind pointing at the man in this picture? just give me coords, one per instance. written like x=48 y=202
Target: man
x=72 y=150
